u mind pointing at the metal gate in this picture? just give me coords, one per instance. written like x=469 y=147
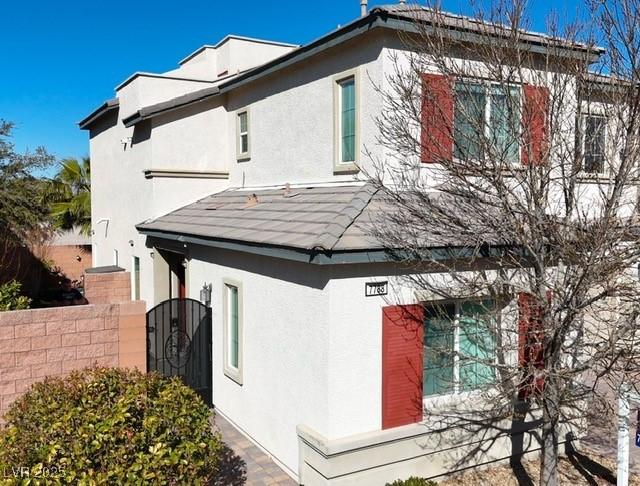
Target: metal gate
x=179 y=343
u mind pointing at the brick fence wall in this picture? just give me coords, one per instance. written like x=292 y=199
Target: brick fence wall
x=107 y=288
x=51 y=342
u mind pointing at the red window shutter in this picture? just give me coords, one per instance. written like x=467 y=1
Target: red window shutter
x=436 y=138
x=535 y=115
x=402 y=349
x=530 y=343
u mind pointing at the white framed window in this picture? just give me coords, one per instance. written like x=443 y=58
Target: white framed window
x=459 y=347
x=487 y=118
x=593 y=144
x=233 y=329
x=243 y=141
x=135 y=278
x=347 y=137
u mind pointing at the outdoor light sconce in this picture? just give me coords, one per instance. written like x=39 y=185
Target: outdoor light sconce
x=205 y=295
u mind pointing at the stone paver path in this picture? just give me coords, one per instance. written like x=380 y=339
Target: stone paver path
x=247 y=462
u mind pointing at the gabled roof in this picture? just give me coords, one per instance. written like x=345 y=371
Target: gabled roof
x=308 y=218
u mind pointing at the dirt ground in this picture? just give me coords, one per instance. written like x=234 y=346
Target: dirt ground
x=584 y=467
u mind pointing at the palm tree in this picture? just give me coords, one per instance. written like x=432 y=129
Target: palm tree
x=68 y=195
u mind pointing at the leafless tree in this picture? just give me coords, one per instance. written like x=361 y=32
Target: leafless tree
x=510 y=179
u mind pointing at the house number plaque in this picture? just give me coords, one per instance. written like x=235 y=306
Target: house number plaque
x=371 y=289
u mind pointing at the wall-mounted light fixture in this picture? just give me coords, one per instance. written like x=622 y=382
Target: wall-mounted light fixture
x=205 y=294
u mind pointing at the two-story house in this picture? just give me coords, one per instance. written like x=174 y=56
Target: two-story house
x=239 y=172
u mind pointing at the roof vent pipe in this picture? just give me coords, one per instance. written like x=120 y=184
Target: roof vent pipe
x=363 y=8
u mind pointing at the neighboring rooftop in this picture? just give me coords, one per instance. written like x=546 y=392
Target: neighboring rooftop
x=73 y=237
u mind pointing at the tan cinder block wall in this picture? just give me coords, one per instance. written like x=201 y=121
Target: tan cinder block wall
x=52 y=342
x=66 y=257
x=72 y=260
x=107 y=288
x=132 y=336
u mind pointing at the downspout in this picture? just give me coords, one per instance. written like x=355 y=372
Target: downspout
x=106 y=226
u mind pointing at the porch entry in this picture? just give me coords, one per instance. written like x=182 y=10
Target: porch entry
x=179 y=343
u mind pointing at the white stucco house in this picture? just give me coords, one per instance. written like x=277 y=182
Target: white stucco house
x=239 y=170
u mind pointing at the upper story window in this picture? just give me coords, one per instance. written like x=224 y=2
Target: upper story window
x=242 y=135
x=487 y=121
x=346 y=114
x=594 y=130
x=459 y=348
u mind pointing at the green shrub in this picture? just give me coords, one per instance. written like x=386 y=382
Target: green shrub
x=11 y=297
x=110 y=426
x=413 y=481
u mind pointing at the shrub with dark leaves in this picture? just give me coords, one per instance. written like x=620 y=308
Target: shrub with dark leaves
x=109 y=426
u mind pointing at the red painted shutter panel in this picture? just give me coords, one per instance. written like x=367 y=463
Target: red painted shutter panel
x=402 y=357
x=436 y=137
x=535 y=114
x=530 y=343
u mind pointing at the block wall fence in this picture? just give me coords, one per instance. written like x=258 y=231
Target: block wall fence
x=52 y=342
x=107 y=288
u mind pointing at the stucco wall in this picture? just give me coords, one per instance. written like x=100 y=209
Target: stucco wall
x=288 y=144
x=286 y=347
x=292 y=116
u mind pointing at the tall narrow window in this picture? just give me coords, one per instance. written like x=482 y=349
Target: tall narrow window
x=135 y=275
x=242 y=129
x=115 y=257
x=458 y=347
x=594 y=143
x=346 y=122
x=233 y=330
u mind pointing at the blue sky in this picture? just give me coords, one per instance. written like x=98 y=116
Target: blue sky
x=61 y=59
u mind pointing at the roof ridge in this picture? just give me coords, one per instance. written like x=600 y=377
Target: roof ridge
x=334 y=230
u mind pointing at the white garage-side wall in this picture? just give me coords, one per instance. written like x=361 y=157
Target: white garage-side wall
x=285 y=346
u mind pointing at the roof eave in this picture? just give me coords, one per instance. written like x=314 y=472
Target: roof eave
x=541 y=46
x=98 y=113
x=377 y=18
x=168 y=106
x=315 y=256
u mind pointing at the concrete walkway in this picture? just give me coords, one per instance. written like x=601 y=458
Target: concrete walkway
x=244 y=463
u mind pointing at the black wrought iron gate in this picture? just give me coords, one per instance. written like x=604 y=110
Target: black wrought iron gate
x=179 y=343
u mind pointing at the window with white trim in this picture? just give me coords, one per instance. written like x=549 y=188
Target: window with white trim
x=487 y=121
x=459 y=347
x=242 y=135
x=232 y=308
